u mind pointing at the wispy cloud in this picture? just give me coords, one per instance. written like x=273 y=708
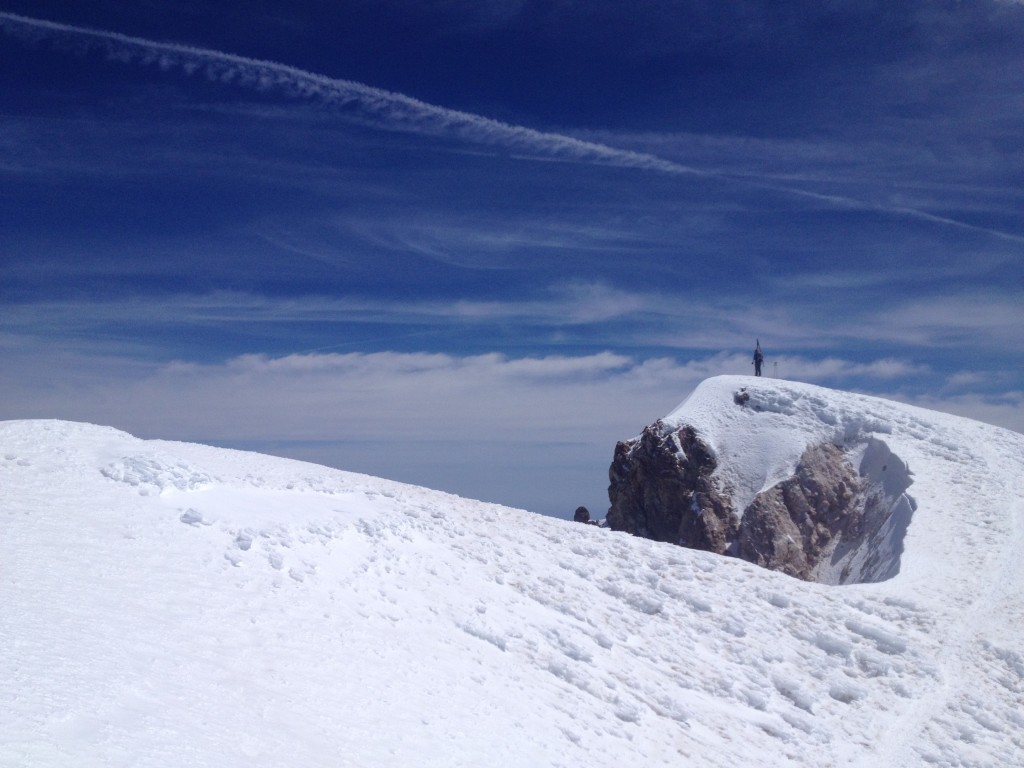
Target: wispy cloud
x=970 y=320
x=627 y=319
x=489 y=241
x=374 y=106
x=881 y=276
x=397 y=112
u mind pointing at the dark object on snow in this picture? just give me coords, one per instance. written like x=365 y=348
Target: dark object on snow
x=758 y=358
x=582 y=515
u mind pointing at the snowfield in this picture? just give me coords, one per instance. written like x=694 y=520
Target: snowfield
x=171 y=604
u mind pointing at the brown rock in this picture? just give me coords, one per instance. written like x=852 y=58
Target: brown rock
x=660 y=488
x=829 y=522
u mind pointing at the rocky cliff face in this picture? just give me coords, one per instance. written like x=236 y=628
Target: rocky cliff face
x=661 y=488
x=830 y=521
x=794 y=525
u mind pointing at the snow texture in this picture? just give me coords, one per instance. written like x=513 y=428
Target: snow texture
x=170 y=604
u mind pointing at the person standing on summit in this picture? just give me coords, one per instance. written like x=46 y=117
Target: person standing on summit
x=758 y=358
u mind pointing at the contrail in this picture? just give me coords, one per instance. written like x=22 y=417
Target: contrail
x=396 y=112
x=385 y=109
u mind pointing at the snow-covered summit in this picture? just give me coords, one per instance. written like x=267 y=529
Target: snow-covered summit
x=169 y=604
x=966 y=478
x=761 y=443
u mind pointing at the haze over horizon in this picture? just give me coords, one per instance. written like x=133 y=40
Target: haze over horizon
x=471 y=245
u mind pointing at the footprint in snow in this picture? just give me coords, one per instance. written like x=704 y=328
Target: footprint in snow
x=194 y=518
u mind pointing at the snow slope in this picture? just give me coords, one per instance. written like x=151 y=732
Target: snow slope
x=169 y=604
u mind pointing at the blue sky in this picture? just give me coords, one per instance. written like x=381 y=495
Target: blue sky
x=471 y=244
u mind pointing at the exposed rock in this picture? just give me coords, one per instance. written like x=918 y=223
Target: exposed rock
x=828 y=522
x=582 y=515
x=792 y=526
x=661 y=489
x=872 y=551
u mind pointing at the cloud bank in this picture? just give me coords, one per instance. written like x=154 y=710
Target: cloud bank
x=413 y=396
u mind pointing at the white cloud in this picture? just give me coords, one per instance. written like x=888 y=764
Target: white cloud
x=836 y=369
x=966 y=320
x=965 y=379
x=489 y=397
x=361 y=396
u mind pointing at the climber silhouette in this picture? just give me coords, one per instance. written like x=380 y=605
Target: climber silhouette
x=758 y=358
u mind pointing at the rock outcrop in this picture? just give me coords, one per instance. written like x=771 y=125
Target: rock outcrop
x=829 y=522
x=661 y=488
x=794 y=525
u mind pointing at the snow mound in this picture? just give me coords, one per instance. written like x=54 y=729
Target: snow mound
x=151 y=472
x=168 y=604
x=760 y=444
